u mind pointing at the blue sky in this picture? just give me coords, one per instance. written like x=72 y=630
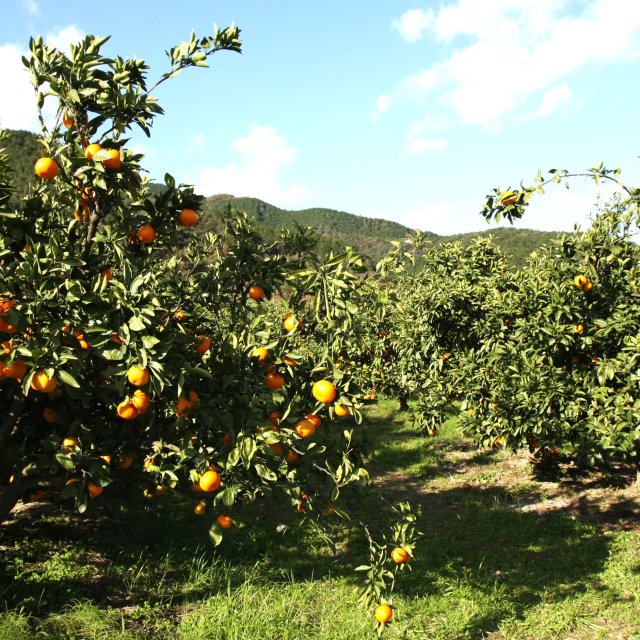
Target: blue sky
x=406 y=110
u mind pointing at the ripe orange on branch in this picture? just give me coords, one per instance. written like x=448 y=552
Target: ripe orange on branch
x=91 y=150
x=383 y=613
x=147 y=234
x=113 y=162
x=305 y=428
x=224 y=521
x=324 y=391
x=127 y=410
x=400 y=555
x=290 y=322
x=188 y=218
x=42 y=382
x=256 y=292
x=46 y=168
x=204 y=344
x=341 y=410
x=210 y=481
x=138 y=376
x=274 y=381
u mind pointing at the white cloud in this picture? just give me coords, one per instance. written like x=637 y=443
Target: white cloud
x=262 y=156
x=31 y=7
x=502 y=57
x=64 y=37
x=19 y=112
x=412 y=24
x=556 y=99
x=420 y=145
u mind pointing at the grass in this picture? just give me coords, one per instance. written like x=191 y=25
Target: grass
x=503 y=557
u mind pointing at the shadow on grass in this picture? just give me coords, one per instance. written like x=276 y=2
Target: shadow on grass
x=476 y=544
x=146 y=554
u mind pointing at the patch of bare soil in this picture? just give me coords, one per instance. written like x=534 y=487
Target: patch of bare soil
x=609 y=498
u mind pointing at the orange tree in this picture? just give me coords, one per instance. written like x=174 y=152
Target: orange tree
x=133 y=348
x=441 y=297
x=557 y=370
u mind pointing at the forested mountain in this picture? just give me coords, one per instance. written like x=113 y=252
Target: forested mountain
x=335 y=229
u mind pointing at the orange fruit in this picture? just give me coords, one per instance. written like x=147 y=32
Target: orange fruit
x=138 y=376
x=91 y=150
x=106 y=458
x=226 y=438
x=330 y=509
x=341 y=410
x=42 y=382
x=7 y=347
x=94 y=489
x=116 y=338
x=113 y=162
x=127 y=411
x=256 y=292
x=200 y=509
x=292 y=457
x=107 y=274
x=149 y=494
x=210 y=481
x=324 y=391
x=125 y=460
x=274 y=381
x=275 y=418
x=84 y=345
x=314 y=419
x=204 y=344
x=180 y=315
x=579 y=328
x=290 y=361
x=5 y=327
x=224 y=521
x=588 y=287
x=305 y=428
x=70 y=441
x=260 y=354
x=17 y=369
x=276 y=447
x=147 y=234
x=67 y=120
x=46 y=168
x=580 y=280
x=183 y=407
x=188 y=218
x=71 y=481
x=290 y=322
x=141 y=401
x=85 y=214
x=400 y=555
x=508 y=199
x=383 y=613
x=50 y=415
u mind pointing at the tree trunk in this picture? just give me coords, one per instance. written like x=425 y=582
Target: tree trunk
x=10 y=495
x=403 y=403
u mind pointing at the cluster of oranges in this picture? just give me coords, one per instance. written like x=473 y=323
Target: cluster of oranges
x=139 y=401
x=583 y=283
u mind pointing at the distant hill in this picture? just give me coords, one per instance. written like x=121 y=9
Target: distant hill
x=335 y=229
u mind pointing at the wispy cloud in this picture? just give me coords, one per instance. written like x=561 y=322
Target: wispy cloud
x=263 y=154
x=20 y=111
x=510 y=58
x=31 y=7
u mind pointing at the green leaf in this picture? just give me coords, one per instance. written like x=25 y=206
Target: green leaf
x=68 y=379
x=215 y=534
